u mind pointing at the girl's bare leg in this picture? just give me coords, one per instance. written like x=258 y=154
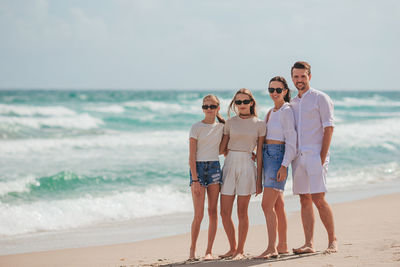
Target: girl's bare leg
x=212 y=195
x=242 y=210
x=226 y=215
x=198 y=205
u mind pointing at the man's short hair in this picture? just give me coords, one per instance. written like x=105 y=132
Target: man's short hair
x=301 y=65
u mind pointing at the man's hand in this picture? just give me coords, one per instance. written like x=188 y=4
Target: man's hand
x=322 y=159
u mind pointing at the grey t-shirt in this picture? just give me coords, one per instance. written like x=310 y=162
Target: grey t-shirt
x=208 y=138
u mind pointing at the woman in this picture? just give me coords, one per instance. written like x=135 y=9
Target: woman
x=278 y=152
x=205 y=171
x=242 y=133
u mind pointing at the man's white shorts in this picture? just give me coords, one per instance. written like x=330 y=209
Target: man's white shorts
x=309 y=175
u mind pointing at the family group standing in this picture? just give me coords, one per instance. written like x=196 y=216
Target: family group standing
x=295 y=132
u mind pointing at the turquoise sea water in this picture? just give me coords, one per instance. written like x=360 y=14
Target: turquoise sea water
x=71 y=159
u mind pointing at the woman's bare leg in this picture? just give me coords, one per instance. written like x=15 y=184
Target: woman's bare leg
x=268 y=205
x=282 y=224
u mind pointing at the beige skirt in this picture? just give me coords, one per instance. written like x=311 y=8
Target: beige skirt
x=239 y=174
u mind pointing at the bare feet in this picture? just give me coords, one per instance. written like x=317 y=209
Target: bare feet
x=229 y=254
x=332 y=248
x=192 y=254
x=238 y=256
x=209 y=257
x=269 y=253
x=192 y=259
x=282 y=248
x=303 y=250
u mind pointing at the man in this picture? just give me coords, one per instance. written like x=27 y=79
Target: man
x=313 y=112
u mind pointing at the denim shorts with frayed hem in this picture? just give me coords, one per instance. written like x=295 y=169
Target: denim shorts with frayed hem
x=208 y=172
x=272 y=161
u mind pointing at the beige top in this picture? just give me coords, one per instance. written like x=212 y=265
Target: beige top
x=244 y=133
x=208 y=138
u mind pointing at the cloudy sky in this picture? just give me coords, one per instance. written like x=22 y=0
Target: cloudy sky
x=197 y=44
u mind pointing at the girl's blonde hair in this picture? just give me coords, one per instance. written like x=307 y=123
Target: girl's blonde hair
x=216 y=100
x=232 y=106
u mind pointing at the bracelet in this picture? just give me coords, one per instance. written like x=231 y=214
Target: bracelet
x=195 y=181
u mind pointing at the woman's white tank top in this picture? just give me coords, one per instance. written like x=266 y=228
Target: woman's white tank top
x=274 y=127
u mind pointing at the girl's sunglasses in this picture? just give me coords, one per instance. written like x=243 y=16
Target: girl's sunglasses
x=239 y=102
x=278 y=90
x=209 y=106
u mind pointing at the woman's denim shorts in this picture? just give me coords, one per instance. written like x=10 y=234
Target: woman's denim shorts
x=272 y=159
x=208 y=172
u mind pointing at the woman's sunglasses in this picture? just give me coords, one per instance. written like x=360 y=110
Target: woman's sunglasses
x=239 y=102
x=209 y=106
x=278 y=90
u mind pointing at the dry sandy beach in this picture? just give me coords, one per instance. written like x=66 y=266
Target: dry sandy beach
x=368 y=231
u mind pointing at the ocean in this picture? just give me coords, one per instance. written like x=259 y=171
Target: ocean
x=81 y=159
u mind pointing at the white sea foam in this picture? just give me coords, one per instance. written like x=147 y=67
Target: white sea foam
x=81 y=121
x=373 y=101
x=367 y=134
x=107 y=108
x=17 y=185
x=24 y=110
x=363 y=175
x=88 y=210
x=155 y=200
x=111 y=141
x=163 y=107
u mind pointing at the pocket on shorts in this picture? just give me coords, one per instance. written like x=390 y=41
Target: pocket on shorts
x=314 y=165
x=274 y=155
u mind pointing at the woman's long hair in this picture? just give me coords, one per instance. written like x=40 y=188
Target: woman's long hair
x=216 y=100
x=285 y=85
x=232 y=106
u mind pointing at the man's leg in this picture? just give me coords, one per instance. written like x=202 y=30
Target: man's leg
x=307 y=217
x=326 y=215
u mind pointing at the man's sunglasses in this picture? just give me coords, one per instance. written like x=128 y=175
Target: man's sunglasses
x=239 y=102
x=209 y=106
x=278 y=90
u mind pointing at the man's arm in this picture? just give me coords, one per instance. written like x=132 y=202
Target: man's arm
x=326 y=142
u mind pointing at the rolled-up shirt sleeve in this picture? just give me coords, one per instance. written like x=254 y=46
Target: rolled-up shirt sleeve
x=326 y=110
x=290 y=135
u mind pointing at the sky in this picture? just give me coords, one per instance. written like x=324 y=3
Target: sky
x=197 y=44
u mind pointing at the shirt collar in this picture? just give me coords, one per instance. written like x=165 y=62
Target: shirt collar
x=306 y=93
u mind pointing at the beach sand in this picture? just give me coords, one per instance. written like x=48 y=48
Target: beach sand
x=368 y=234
